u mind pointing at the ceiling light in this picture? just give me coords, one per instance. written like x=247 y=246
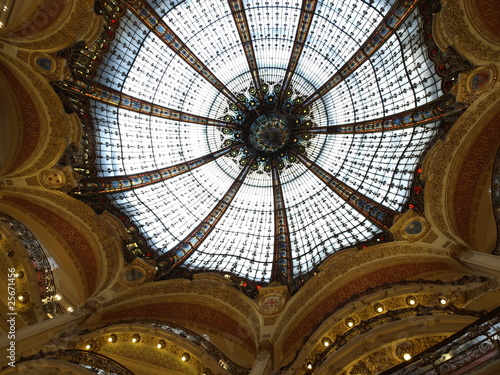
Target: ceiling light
x=185 y=357
x=309 y=366
x=161 y=344
x=58 y=297
x=326 y=342
x=70 y=309
x=406 y=356
x=443 y=301
x=349 y=322
x=112 y=338
x=411 y=300
x=379 y=307
x=136 y=338
x=88 y=346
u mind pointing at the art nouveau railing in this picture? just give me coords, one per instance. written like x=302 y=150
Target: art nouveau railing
x=41 y=265
x=475 y=346
x=95 y=363
x=495 y=198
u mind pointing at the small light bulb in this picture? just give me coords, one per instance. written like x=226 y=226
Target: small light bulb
x=443 y=301
x=58 y=297
x=70 y=309
x=134 y=339
x=88 y=346
x=309 y=366
x=406 y=356
x=20 y=298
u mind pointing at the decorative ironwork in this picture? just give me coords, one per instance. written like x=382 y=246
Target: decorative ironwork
x=306 y=17
x=382 y=319
x=396 y=16
x=282 y=265
x=474 y=346
x=93 y=362
x=185 y=248
x=107 y=185
x=41 y=265
x=188 y=335
x=116 y=98
x=261 y=98
x=372 y=210
x=419 y=116
x=495 y=197
x=240 y=18
x=267 y=127
x=155 y=23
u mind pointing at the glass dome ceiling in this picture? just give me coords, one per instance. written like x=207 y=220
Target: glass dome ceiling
x=259 y=137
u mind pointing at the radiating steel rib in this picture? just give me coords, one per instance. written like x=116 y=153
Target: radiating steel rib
x=396 y=16
x=282 y=264
x=418 y=116
x=185 y=248
x=114 y=184
x=154 y=23
x=116 y=98
x=240 y=18
x=377 y=213
x=305 y=20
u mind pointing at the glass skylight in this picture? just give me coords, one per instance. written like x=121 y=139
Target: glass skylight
x=279 y=191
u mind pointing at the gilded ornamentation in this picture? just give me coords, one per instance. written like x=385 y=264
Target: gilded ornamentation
x=455 y=24
x=272 y=300
x=471 y=85
x=438 y=161
x=56 y=24
x=110 y=244
x=410 y=227
x=385 y=358
x=339 y=264
x=63 y=129
x=219 y=291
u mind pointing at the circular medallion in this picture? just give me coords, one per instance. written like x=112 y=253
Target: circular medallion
x=269 y=133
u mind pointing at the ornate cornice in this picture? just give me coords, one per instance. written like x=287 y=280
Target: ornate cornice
x=200 y=289
x=96 y=233
x=380 y=264
x=440 y=161
x=55 y=24
x=456 y=25
x=56 y=128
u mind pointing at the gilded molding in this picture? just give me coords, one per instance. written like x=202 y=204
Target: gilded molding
x=59 y=128
x=340 y=264
x=108 y=243
x=456 y=25
x=75 y=21
x=387 y=357
x=229 y=296
x=439 y=161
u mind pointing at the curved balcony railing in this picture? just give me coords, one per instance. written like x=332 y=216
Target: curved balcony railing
x=41 y=265
x=191 y=336
x=95 y=363
x=473 y=347
x=495 y=198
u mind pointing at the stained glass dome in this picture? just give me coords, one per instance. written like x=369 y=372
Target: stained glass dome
x=259 y=137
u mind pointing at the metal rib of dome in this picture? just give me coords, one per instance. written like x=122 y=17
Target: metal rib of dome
x=258 y=138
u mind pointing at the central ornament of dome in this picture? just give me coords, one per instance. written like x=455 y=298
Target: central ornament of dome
x=269 y=133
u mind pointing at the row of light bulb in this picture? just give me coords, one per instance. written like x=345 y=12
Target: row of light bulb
x=378 y=307
x=137 y=338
